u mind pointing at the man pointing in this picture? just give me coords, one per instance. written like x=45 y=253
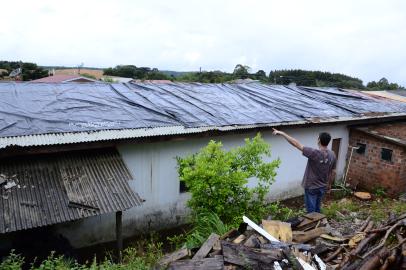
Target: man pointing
x=320 y=169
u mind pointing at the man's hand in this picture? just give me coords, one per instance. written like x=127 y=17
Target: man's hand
x=291 y=140
x=276 y=132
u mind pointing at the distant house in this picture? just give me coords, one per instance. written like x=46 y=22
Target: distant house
x=72 y=155
x=116 y=79
x=64 y=79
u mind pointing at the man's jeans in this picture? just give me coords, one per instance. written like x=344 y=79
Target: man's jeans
x=313 y=199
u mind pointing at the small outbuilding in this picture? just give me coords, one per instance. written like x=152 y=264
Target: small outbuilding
x=378 y=158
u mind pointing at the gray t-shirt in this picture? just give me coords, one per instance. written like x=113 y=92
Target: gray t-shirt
x=320 y=163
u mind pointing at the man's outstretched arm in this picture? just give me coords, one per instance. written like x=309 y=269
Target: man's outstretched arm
x=290 y=139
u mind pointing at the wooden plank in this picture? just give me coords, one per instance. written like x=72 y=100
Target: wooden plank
x=278 y=229
x=271 y=238
x=310 y=220
x=249 y=257
x=303 y=237
x=174 y=256
x=281 y=245
x=217 y=245
x=252 y=242
x=239 y=239
x=230 y=234
x=206 y=247
x=259 y=229
x=216 y=263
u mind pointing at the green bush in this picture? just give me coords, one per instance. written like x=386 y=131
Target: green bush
x=217 y=179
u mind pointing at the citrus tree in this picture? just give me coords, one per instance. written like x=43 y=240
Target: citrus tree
x=217 y=179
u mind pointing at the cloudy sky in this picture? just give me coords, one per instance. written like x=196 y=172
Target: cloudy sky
x=366 y=39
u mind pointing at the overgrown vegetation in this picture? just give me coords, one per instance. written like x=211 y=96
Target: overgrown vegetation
x=339 y=209
x=218 y=180
x=133 y=259
x=378 y=208
x=204 y=225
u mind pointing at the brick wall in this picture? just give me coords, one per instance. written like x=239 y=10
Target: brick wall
x=369 y=171
x=397 y=130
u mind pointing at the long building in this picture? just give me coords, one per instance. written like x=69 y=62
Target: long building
x=74 y=156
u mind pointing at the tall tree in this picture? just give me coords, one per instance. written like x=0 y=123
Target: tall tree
x=383 y=84
x=241 y=72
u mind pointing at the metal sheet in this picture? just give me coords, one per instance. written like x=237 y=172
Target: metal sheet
x=44 y=193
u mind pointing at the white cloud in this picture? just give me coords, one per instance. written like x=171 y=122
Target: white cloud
x=360 y=38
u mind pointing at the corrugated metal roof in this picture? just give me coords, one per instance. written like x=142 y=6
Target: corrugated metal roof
x=105 y=135
x=56 y=188
x=41 y=114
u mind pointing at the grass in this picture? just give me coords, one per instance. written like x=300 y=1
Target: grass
x=379 y=208
x=333 y=209
x=204 y=225
x=133 y=259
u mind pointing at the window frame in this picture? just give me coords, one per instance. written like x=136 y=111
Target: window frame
x=389 y=151
x=364 y=153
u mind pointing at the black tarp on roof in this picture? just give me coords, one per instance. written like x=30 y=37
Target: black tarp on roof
x=42 y=108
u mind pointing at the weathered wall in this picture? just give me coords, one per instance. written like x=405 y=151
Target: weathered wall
x=153 y=166
x=369 y=171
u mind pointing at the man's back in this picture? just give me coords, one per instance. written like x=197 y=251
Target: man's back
x=319 y=166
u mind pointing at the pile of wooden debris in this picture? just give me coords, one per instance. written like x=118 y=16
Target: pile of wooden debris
x=307 y=242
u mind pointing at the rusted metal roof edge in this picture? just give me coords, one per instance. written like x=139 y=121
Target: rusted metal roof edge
x=107 y=135
x=376 y=135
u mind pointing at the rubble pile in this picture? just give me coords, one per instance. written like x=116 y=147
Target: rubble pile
x=307 y=242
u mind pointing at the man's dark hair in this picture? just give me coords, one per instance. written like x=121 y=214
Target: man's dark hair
x=324 y=138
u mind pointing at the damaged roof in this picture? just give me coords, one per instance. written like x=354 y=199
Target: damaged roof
x=391 y=132
x=69 y=112
x=56 y=188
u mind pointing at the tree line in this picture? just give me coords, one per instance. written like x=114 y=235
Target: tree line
x=283 y=77
x=31 y=71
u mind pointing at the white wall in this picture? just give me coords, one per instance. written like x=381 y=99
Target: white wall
x=153 y=167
